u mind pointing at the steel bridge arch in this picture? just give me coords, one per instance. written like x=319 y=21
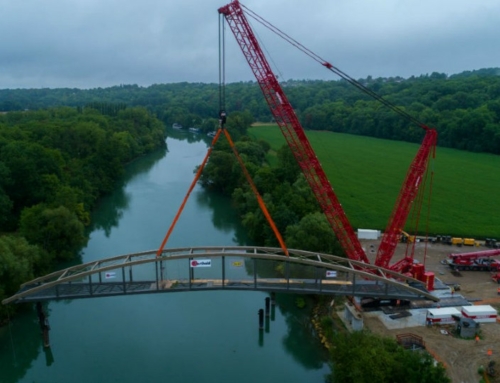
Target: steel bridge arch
x=86 y=280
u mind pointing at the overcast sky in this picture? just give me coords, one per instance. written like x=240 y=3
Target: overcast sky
x=101 y=43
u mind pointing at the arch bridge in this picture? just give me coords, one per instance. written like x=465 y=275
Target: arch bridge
x=222 y=268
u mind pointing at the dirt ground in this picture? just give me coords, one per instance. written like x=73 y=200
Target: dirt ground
x=461 y=357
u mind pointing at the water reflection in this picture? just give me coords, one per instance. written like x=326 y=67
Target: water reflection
x=223 y=219
x=22 y=344
x=110 y=210
x=300 y=341
x=49 y=358
x=186 y=135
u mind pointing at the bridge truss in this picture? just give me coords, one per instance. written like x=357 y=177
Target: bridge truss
x=222 y=268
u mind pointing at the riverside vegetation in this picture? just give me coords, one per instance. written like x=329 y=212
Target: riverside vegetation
x=54 y=166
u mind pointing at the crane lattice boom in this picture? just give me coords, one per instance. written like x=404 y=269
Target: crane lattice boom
x=291 y=128
x=294 y=134
x=403 y=204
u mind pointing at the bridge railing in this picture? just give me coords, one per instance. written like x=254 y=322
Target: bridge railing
x=217 y=268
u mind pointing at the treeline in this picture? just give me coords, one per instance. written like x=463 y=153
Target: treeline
x=54 y=166
x=464 y=108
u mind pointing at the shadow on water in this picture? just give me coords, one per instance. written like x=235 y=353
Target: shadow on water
x=107 y=215
x=21 y=345
x=223 y=219
x=186 y=135
x=300 y=341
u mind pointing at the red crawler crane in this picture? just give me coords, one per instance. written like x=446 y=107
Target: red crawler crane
x=403 y=205
x=291 y=128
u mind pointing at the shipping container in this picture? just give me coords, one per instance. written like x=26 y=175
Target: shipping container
x=368 y=234
x=481 y=313
x=442 y=315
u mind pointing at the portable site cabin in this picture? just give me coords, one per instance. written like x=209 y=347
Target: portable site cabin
x=466 y=327
x=368 y=234
x=442 y=316
x=482 y=313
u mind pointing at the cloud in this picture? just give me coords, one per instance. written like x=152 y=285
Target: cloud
x=88 y=43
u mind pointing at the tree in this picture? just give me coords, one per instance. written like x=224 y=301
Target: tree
x=288 y=169
x=5 y=201
x=218 y=173
x=18 y=263
x=58 y=231
x=312 y=233
x=239 y=122
x=28 y=163
x=362 y=357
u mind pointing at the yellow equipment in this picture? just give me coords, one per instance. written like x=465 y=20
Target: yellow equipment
x=469 y=242
x=407 y=238
x=457 y=241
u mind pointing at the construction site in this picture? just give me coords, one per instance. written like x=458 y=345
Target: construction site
x=463 y=355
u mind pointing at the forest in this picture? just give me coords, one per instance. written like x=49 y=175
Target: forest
x=55 y=164
x=464 y=108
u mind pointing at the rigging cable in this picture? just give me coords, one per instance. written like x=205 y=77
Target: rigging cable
x=222 y=121
x=222 y=71
x=335 y=70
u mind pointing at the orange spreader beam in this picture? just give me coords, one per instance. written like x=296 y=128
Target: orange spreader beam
x=257 y=194
x=193 y=184
x=250 y=181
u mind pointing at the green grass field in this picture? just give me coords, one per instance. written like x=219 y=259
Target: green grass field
x=367 y=173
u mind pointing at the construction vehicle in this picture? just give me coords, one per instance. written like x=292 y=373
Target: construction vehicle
x=491 y=242
x=475 y=261
x=456 y=241
x=462 y=241
x=470 y=242
x=407 y=238
x=296 y=139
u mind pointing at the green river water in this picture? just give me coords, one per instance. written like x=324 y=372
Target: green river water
x=173 y=337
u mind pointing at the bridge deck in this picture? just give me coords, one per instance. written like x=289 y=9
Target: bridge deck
x=74 y=290
x=239 y=269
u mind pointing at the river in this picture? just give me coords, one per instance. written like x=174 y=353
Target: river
x=176 y=337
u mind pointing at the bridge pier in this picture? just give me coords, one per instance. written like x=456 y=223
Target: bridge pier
x=261 y=319
x=44 y=324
